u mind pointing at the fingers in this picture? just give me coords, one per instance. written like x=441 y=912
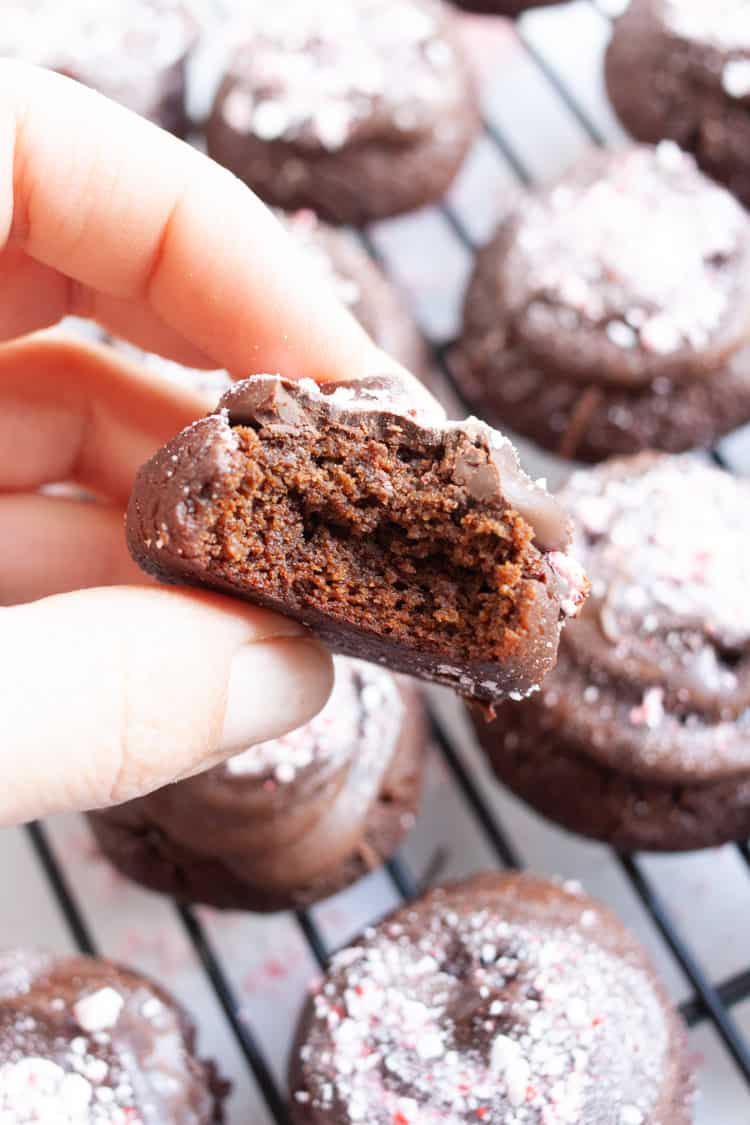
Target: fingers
x=107 y=200
x=52 y=545
x=108 y=694
x=70 y=411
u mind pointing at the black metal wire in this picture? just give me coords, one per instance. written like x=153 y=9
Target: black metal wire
x=313 y=937
x=592 y=131
x=66 y=901
x=246 y=1041
x=706 y=993
x=504 y=849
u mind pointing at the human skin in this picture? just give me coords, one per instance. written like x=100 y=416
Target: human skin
x=111 y=686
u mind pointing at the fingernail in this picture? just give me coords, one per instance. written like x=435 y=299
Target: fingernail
x=274 y=687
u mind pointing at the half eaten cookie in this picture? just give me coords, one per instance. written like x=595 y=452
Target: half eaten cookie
x=395 y=536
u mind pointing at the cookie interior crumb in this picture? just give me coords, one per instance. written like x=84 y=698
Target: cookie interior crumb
x=377 y=533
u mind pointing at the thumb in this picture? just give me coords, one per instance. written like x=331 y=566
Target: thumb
x=108 y=694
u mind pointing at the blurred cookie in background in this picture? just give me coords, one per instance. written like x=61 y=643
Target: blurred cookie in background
x=135 y=53
x=611 y=311
x=681 y=70
x=84 y=1041
x=357 y=109
x=641 y=735
x=290 y=821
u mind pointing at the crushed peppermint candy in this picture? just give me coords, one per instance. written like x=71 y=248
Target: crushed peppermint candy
x=99 y=1011
x=418 y=1024
x=323 y=73
x=665 y=544
x=634 y=243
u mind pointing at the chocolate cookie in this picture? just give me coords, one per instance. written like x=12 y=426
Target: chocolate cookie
x=394 y=535
x=358 y=109
x=611 y=311
x=135 y=53
x=86 y=1042
x=641 y=735
x=290 y=821
x=504 y=999
x=680 y=69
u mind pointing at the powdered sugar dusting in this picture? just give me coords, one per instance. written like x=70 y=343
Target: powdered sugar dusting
x=478 y=1018
x=363 y=715
x=314 y=73
x=641 y=248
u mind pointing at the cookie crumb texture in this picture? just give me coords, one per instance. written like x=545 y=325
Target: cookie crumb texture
x=287 y=822
x=609 y=314
x=395 y=536
x=86 y=1042
x=359 y=109
x=680 y=69
x=504 y=999
x=641 y=735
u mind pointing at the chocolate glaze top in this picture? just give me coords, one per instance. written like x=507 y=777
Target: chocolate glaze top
x=505 y=999
x=631 y=266
x=271 y=401
x=667 y=624
x=84 y=1042
x=326 y=75
x=112 y=46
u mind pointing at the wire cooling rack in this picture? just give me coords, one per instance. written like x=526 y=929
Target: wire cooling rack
x=243 y=977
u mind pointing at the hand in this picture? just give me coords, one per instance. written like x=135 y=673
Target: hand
x=111 y=686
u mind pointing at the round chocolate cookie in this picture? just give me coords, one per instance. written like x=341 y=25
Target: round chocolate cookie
x=86 y=1042
x=134 y=52
x=611 y=311
x=358 y=109
x=504 y=999
x=681 y=69
x=641 y=735
x=290 y=821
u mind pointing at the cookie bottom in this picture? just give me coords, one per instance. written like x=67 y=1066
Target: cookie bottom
x=627 y=812
x=591 y=423
x=141 y=850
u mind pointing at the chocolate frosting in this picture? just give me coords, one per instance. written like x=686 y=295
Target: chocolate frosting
x=85 y=1042
x=504 y=998
x=661 y=652
x=270 y=401
x=631 y=267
